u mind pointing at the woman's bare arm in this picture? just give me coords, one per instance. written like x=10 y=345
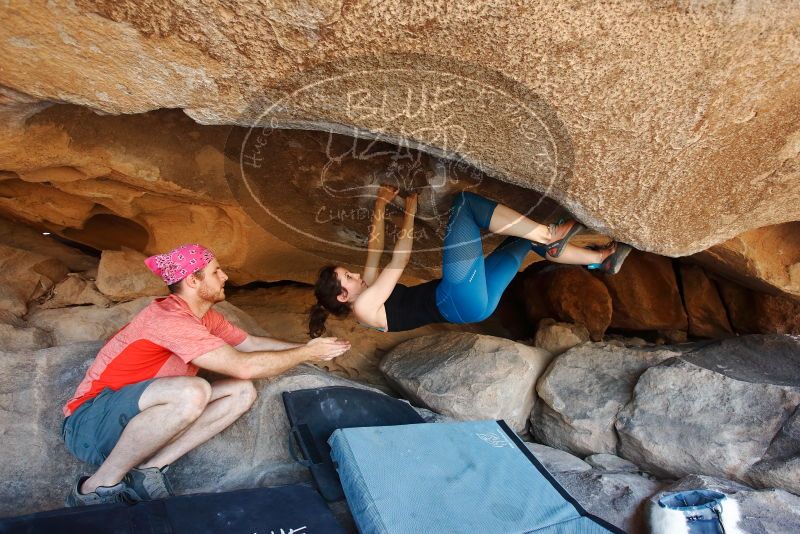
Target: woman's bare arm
x=377 y=233
x=369 y=303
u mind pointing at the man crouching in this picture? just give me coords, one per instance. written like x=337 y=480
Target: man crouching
x=140 y=406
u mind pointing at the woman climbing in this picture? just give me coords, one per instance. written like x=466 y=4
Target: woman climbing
x=471 y=285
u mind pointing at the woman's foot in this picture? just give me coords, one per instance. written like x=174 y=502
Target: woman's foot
x=612 y=257
x=560 y=234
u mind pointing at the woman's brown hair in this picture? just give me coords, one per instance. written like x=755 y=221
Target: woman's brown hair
x=326 y=290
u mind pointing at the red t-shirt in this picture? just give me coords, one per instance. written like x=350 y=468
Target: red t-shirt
x=160 y=341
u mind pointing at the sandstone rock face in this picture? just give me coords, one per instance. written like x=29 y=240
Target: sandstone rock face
x=567 y=294
x=555 y=460
x=615 y=497
x=25 y=238
x=282 y=311
x=761 y=511
x=679 y=402
x=645 y=294
x=122 y=275
x=704 y=308
x=582 y=392
x=35 y=385
x=468 y=376
x=557 y=338
x=671 y=116
x=145 y=182
x=753 y=312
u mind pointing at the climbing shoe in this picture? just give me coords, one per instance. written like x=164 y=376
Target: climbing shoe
x=567 y=230
x=149 y=483
x=118 y=493
x=613 y=263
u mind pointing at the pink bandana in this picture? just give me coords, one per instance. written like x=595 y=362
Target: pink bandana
x=179 y=263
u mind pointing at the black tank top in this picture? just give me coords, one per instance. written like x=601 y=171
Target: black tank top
x=408 y=308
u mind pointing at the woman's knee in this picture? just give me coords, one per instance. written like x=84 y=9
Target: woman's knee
x=463 y=197
x=480 y=208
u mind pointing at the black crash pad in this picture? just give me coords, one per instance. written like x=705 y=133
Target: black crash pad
x=315 y=413
x=296 y=509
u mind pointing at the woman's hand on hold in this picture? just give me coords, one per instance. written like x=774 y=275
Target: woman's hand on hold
x=386 y=194
x=326 y=348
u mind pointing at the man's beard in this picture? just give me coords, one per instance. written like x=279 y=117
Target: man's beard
x=209 y=296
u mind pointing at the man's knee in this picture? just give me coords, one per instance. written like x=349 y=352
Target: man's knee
x=191 y=395
x=246 y=394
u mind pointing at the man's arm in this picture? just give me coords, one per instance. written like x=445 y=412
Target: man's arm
x=253 y=343
x=227 y=360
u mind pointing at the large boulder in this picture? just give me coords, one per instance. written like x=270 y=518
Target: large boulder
x=645 y=294
x=568 y=294
x=74 y=290
x=122 y=275
x=36 y=471
x=704 y=307
x=557 y=338
x=556 y=460
x=756 y=312
x=611 y=462
x=716 y=410
x=468 y=376
x=582 y=392
x=26 y=276
x=86 y=323
x=767 y=511
x=16 y=335
x=765 y=259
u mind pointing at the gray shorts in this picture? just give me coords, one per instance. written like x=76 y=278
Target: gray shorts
x=92 y=430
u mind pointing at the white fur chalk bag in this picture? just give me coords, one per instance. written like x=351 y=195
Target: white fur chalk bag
x=694 y=512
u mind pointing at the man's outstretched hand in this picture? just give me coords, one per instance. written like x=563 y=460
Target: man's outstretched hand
x=326 y=348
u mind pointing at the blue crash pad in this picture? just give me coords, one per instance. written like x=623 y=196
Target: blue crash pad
x=452 y=477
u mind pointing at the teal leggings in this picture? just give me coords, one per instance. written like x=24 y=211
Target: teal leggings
x=472 y=285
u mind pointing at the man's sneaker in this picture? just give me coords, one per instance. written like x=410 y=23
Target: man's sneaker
x=118 y=493
x=149 y=483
